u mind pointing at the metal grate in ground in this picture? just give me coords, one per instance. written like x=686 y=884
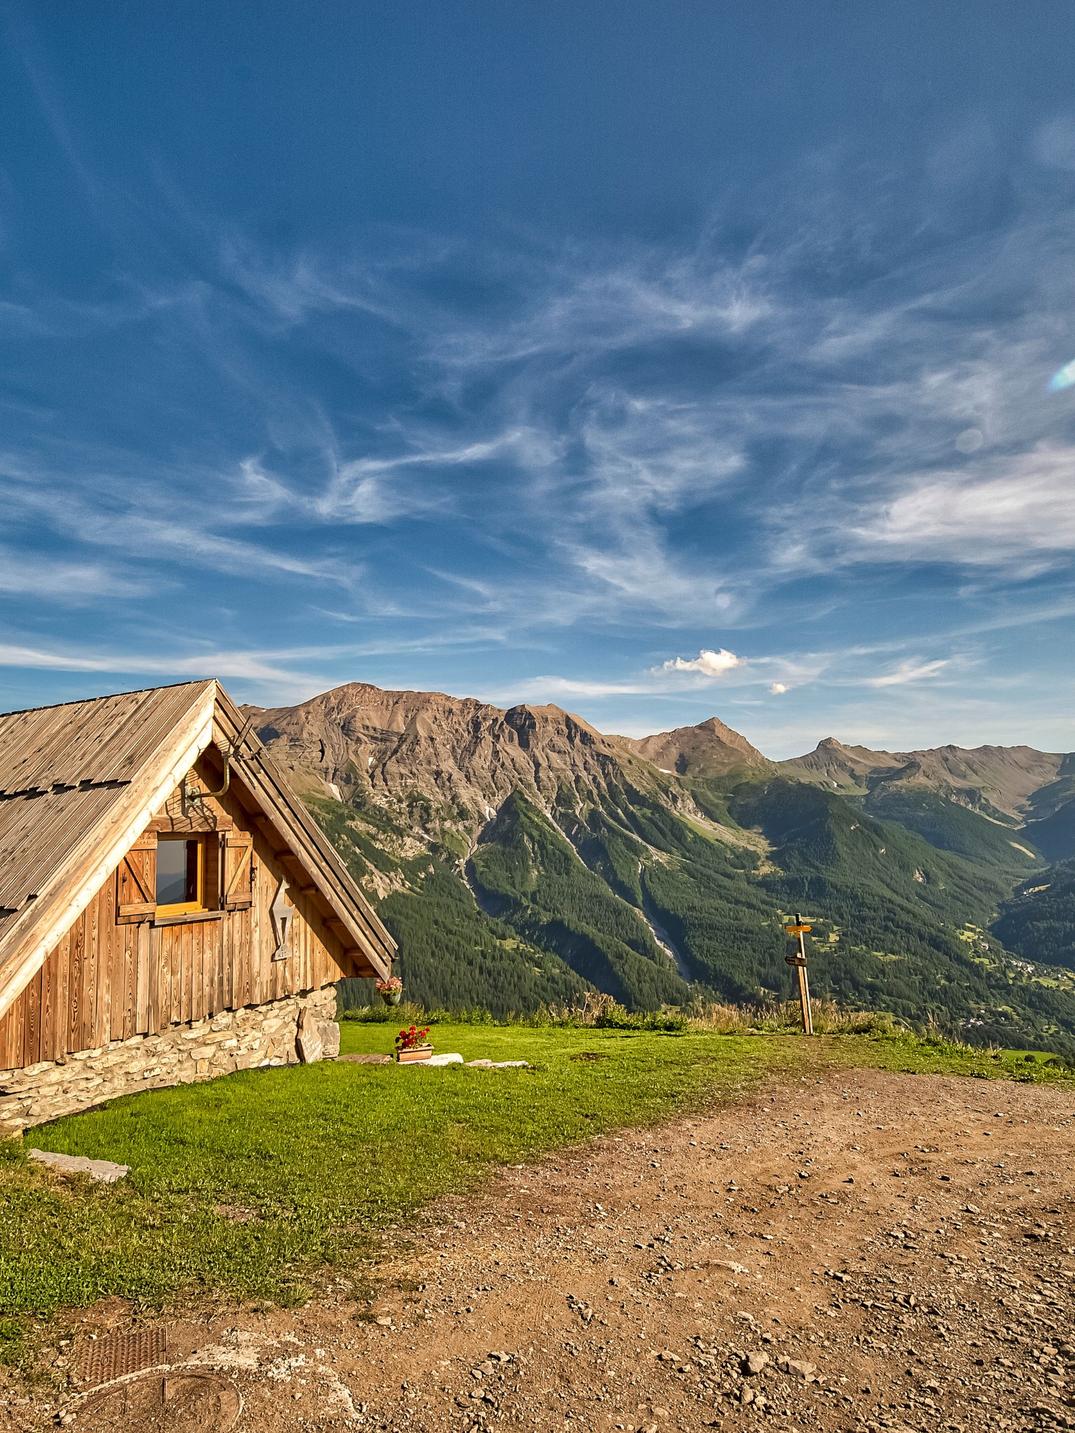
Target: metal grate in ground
x=116 y=1355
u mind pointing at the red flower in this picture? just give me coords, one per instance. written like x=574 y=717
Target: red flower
x=409 y=1039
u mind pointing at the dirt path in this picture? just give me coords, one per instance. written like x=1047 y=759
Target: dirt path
x=887 y=1252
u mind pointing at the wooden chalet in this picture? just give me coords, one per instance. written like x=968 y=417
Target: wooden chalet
x=169 y=910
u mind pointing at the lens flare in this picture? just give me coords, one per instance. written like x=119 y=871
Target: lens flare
x=1063 y=378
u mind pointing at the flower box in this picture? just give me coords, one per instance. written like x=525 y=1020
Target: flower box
x=412 y=1045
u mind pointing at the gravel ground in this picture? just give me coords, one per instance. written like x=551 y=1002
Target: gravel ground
x=855 y=1252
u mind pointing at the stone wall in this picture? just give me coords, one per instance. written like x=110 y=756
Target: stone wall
x=233 y=1040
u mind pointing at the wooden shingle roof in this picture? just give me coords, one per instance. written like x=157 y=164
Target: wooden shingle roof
x=79 y=783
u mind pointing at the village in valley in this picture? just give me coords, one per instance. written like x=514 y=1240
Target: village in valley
x=460 y=462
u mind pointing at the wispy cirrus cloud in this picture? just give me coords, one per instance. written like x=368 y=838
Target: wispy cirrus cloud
x=553 y=688
x=211 y=662
x=150 y=524
x=1011 y=511
x=764 y=432
x=907 y=672
x=741 y=679
x=582 y=388
x=382 y=489
x=579 y=304
x=74 y=583
x=1053 y=144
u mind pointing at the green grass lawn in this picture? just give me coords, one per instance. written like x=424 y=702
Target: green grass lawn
x=247 y=1186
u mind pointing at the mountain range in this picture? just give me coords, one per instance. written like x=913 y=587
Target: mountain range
x=521 y=857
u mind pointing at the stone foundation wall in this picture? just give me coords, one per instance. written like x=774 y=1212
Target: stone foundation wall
x=233 y=1040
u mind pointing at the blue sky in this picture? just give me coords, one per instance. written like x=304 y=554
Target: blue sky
x=657 y=360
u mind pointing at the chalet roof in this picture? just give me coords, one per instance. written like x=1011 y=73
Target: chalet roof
x=79 y=783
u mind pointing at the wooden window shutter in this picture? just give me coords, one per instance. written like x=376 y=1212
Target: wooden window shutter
x=213 y=889
x=136 y=881
x=237 y=881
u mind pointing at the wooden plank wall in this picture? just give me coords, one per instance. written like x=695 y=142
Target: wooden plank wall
x=108 y=981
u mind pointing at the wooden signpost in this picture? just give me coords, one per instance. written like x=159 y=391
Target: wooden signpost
x=797 y=957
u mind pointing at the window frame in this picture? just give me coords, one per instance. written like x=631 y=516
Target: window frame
x=183 y=908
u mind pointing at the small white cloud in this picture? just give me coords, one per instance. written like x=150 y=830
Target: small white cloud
x=907 y=672
x=779 y=688
x=706 y=664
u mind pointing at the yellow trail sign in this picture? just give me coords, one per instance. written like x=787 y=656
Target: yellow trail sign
x=798 y=929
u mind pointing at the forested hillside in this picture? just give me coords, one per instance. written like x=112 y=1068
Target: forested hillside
x=522 y=858
x=1039 y=921
x=1054 y=834
x=1006 y=848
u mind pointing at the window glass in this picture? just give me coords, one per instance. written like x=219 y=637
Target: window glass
x=177 y=872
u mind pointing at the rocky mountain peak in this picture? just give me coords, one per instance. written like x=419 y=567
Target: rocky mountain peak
x=551 y=722
x=1001 y=779
x=459 y=753
x=709 y=749
x=463 y=753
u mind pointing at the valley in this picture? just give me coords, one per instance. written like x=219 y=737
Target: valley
x=522 y=857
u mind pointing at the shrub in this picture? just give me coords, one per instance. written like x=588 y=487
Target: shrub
x=380 y=1014
x=410 y=1011
x=601 y=1012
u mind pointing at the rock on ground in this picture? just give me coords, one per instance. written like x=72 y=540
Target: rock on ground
x=103 y=1170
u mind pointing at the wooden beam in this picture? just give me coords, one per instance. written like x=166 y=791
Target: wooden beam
x=279 y=853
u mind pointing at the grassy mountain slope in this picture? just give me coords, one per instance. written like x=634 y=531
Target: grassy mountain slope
x=830 y=851
x=892 y=910
x=1056 y=793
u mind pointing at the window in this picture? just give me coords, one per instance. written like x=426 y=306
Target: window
x=180 y=874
